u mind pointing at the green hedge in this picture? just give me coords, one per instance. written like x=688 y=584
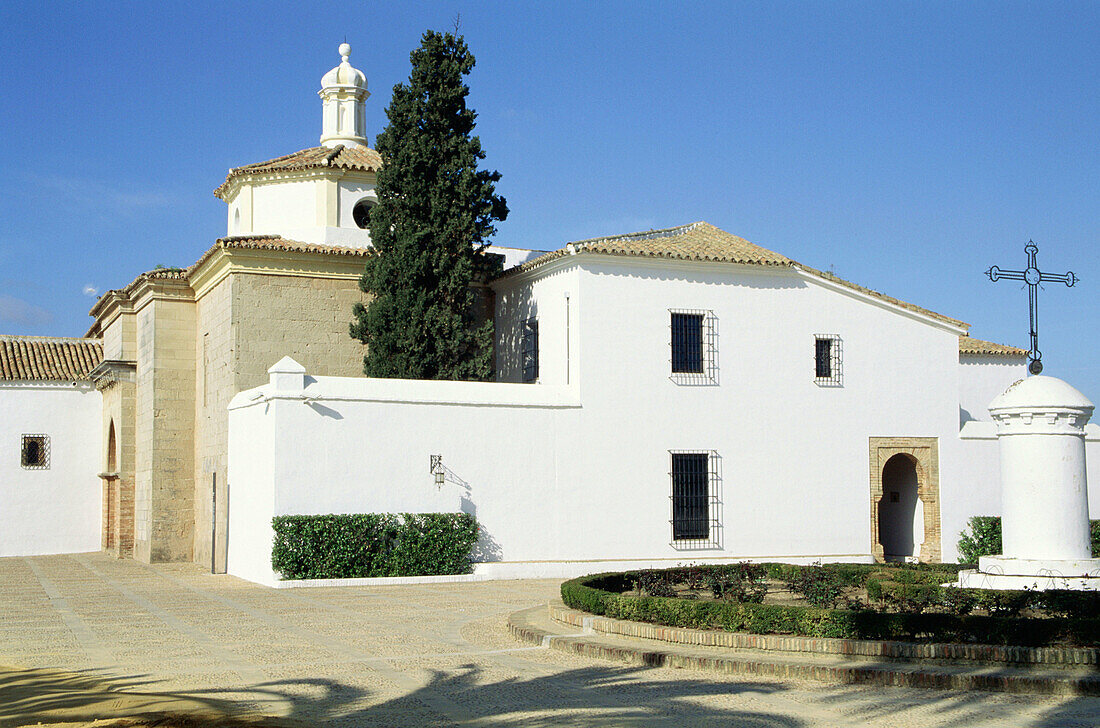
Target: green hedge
x=983 y=538
x=602 y=594
x=338 y=546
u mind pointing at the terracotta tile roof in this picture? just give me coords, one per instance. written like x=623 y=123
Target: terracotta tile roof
x=275 y=242
x=968 y=345
x=699 y=241
x=43 y=358
x=340 y=157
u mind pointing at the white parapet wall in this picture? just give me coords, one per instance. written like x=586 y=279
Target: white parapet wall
x=564 y=484
x=555 y=493
x=56 y=507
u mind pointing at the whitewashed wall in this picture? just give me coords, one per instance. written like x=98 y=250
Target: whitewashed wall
x=297 y=210
x=576 y=477
x=364 y=446
x=981 y=378
x=794 y=454
x=56 y=510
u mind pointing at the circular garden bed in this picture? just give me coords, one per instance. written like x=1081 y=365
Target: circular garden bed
x=848 y=601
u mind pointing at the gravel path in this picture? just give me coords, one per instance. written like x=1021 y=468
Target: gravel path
x=109 y=637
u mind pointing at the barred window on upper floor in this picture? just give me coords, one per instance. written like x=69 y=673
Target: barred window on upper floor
x=827 y=360
x=34 y=452
x=694 y=346
x=529 y=350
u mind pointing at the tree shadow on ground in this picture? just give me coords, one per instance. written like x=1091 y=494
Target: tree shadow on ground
x=875 y=704
x=45 y=696
x=590 y=696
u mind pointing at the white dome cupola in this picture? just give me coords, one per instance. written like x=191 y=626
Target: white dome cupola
x=343 y=93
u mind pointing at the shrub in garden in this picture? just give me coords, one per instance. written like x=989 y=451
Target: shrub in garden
x=602 y=594
x=983 y=538
x=338 y=546
x=820 y=586
x=742 y=582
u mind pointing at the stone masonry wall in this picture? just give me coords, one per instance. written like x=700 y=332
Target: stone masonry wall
x=213 y=389
x=143 y=434
x=247 y=323
x=164 y=439
x=305 y=318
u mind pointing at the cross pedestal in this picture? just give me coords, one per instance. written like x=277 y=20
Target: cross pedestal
x=1044 y=494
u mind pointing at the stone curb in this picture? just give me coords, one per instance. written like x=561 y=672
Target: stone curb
x=805 y=667
x=1053 y=657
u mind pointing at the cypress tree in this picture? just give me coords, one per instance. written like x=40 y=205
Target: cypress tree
x=435 y=212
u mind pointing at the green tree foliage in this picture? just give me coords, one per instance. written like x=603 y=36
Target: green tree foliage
x=435 y=212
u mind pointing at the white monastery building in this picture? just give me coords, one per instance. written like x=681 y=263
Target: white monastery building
x=662 y=397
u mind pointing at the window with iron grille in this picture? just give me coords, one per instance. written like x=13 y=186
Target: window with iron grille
x=827 y=360
x=694 y=499
x=34 y=452
x=530 y=350
x=694 y=343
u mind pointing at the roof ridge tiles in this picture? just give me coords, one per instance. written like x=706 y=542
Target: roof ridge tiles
x=655 y=234
x=48 y=339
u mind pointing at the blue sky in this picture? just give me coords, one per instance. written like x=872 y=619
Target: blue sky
x=907 y=146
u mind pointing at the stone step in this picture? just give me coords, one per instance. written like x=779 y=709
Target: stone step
x=535 y=626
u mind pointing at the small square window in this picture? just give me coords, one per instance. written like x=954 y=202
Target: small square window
x=694 y=499
x=530 y=350
x=34 y=452
x=827 y=360
x=694 y=344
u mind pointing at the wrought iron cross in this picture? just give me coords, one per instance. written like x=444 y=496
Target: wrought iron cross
x=1032 y=276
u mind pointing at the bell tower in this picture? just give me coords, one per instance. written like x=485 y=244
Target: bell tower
x=343 y=93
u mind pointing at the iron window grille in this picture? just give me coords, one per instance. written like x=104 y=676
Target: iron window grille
x=827 y=360
x=694 y=344
x=34 y=452
x=694 y=503
x=530 y=350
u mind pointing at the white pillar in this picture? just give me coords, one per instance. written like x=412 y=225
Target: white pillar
x=1044 y=498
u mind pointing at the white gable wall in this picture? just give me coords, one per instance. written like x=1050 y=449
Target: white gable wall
x=56 y=510
x=794 y=454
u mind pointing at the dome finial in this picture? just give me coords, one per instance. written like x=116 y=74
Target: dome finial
x=343 y=91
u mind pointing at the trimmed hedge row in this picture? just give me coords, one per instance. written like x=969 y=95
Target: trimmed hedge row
x=349 y=545
x=983 y=538
x=602 y=594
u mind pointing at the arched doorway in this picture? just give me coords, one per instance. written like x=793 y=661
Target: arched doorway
x=908 y=527
x=898 y=513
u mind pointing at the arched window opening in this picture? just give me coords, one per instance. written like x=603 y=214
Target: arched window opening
x=112 y=449
x=361 y=213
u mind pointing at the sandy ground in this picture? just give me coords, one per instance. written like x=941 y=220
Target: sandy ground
x=92 y=641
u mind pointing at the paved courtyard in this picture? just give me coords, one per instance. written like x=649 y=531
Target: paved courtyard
x=104 y=636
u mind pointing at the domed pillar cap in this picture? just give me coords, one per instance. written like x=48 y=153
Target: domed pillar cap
x=1041 y=405
x=1040 y=392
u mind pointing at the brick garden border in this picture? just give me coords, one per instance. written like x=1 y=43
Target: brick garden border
x=921 y=673
x=878 y=649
